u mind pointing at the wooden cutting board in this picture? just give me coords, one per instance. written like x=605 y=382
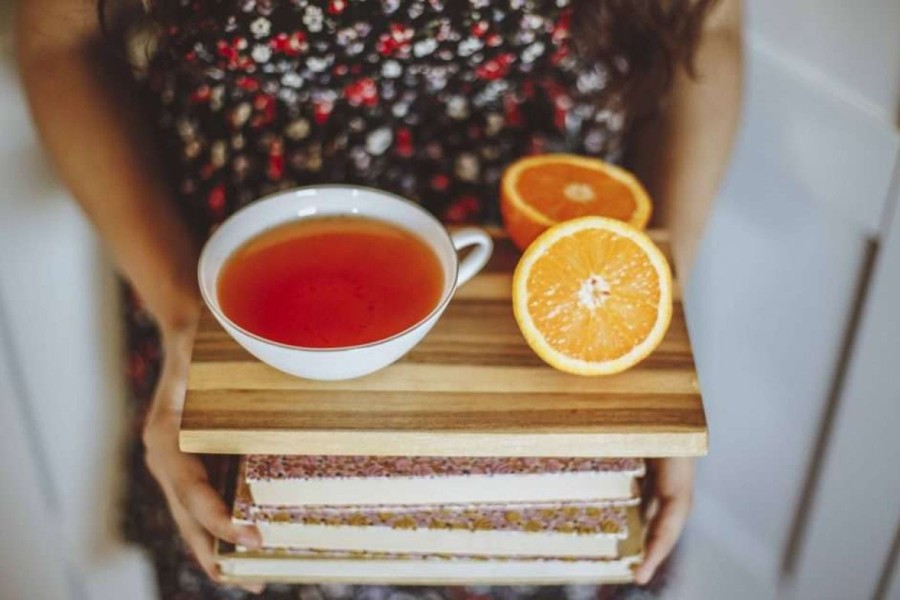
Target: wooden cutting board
x=472 y=387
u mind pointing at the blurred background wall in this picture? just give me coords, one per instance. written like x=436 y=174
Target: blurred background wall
x=789 y=310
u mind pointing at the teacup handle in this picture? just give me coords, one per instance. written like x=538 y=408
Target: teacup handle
x=478 y=257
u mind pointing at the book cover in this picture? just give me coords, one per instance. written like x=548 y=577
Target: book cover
x=353 y=480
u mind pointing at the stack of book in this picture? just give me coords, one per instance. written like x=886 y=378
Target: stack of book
x=429 y=520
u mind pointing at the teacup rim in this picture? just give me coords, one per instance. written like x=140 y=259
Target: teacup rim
x=222 y=317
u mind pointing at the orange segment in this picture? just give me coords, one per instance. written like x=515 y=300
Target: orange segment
x=593 y=296
x=540 y=191
x=567 y=191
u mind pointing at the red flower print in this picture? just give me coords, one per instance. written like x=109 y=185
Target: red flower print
x=226 y=51
x=562 y=52
x=479 y=28
x=462 y=210
x=495 y=68
x=511 y=111
x=397 y=41
x=216 y=200
x=561 y=105
x=231 y=52
x=289 y=44
x=247 y=83
x=440 y=182
x=200 y=95
x=403 y=145
x=265 y=110
x=275 y=170
x=493 y=40
x=362 y=92
x=336 y=7
x=322 y=110
x=562 y=26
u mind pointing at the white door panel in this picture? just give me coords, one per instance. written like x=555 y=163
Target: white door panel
x=32 y=560
x=771 y=297
x=832 y=151
x=856 y=512
x=63 y=323
x=854 y=44
x=768 y=307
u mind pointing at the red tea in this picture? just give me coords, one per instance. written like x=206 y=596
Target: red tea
x=330 y=282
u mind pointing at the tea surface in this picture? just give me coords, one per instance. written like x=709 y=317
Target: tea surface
x=330 y=282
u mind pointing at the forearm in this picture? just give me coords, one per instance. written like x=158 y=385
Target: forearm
x=88 y=115
x=683 y=157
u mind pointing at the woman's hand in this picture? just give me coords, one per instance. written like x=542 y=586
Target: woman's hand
x=197 y=509
x=668 y=499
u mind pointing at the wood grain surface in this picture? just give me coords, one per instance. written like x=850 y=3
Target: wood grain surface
x=471 y=387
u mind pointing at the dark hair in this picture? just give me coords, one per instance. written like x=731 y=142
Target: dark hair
x=644 y=40
x=654 y=37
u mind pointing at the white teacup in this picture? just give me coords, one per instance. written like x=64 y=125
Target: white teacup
x=334 y=200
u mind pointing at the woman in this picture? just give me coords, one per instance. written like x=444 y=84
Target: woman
x=427 y=98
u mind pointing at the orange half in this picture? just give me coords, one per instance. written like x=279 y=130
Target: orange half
x=593 y=296
x=540 y=191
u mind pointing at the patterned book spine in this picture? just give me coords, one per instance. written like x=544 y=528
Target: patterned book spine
x=577 y=518
x=299 y=467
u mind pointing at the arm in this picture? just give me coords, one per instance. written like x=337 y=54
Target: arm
x=681 y=161
x=683 y=156
x=87 y=113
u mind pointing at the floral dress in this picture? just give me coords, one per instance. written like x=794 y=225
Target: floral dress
x=429 y=99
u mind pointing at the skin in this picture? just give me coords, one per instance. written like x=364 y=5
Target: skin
x=681 y=159
x=93 y=129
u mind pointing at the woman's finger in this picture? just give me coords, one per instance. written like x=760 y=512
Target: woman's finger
x=663 y=534
x=197 y=539
x=203 y=503
x=201 y=546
